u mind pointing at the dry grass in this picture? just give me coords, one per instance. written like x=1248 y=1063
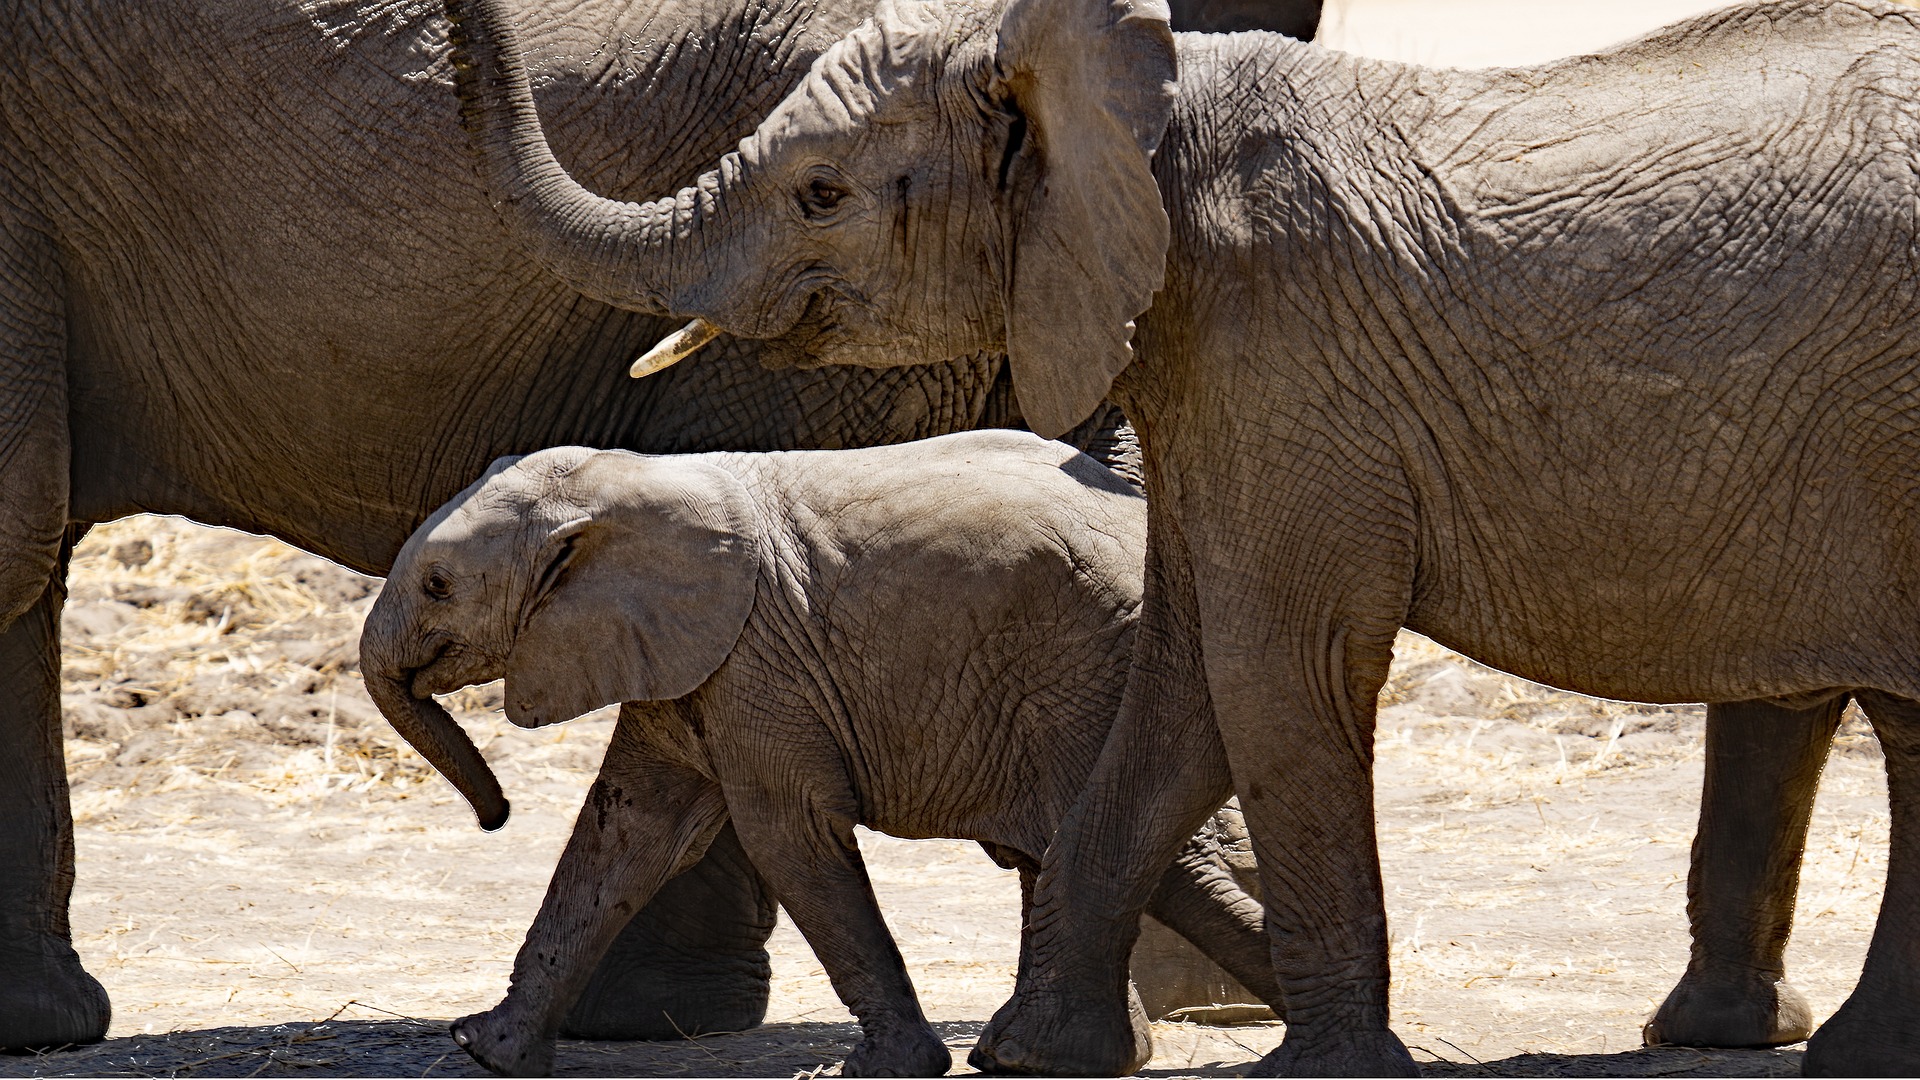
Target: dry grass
x=195 y=657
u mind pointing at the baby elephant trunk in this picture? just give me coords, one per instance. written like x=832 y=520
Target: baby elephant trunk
x=429 y=729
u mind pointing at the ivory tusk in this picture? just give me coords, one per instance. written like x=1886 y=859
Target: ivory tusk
x=674 y=348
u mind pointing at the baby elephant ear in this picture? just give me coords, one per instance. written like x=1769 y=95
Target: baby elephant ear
x=643 y=599
x=1094 y=82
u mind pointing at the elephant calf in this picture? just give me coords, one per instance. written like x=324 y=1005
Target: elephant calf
x=928 y=639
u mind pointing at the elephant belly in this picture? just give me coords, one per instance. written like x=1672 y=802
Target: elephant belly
x=1703 y=569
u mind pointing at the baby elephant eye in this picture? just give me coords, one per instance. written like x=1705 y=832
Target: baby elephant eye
x=822 y=197
x=437 y=585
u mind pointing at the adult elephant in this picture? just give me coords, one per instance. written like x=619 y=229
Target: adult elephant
x=1446 y=350
x=246 y=276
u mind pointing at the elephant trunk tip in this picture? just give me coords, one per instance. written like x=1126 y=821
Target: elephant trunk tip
x=431 y=730
x=492 y=812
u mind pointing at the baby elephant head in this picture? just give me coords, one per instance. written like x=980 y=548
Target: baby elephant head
x=953 y=176
x=582 y=577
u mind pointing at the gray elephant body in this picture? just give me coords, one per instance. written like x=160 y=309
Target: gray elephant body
x=928 y=640
x=1572 y=368
x=247 y=276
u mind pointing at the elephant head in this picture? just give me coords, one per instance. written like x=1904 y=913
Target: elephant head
x=952 y=176
x=583 y=578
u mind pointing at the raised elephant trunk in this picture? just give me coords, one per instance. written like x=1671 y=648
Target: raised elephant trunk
x=620 y=253
x=428 y=728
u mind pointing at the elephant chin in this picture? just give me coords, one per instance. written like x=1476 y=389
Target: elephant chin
x=428 y=728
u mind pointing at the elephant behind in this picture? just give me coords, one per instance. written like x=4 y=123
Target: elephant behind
x=928 y=640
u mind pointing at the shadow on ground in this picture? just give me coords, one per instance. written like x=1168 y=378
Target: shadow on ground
x=422 y=1048
x=1660 y=1061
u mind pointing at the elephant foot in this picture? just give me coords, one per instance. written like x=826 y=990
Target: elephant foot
x=1871 y=1035
x=1368 y=1053
x=1040 y=1033
x=47 y=1000
x=914 y=1051
x=504 y=1043
x=1750 y=1009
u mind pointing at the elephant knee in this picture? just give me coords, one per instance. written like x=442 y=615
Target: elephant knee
x=25 y=578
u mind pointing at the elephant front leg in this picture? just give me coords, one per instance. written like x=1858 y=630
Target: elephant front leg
x=1877 y=1031
x=1763 y=768
x=642 y=823
x=1299 y=606
x=694 y=960
x=46 y=998
x=1159 y=775
x=1297 y=717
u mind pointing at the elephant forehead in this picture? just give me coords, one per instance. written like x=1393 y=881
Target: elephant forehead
x=879 y=73
x=493 y=515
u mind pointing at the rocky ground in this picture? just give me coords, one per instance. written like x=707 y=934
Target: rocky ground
x=271 y=883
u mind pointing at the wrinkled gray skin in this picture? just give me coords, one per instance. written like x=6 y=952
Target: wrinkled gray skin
x=1570 y=368
x=247 y=276
x=1177 y=982
x=929 y=640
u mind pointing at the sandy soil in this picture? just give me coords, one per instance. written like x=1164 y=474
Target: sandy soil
x=269 y=882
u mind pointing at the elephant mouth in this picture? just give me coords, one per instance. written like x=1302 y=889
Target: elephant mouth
x=447 y=671
x=838 y=329
x=810 y=334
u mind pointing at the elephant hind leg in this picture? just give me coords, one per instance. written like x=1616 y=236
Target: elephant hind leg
x=1763 y=768
x=1877 y=1031
x=644 y=822
x=1203 y=898
x=46 y=997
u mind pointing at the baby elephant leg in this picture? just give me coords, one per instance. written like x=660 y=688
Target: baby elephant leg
x=1201 y=898
x=1877 y=1031
x=643 y=822
x=1763 y=767
x=812 y=861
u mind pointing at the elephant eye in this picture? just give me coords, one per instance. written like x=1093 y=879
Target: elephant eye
x=822 y=197
x=438 y=585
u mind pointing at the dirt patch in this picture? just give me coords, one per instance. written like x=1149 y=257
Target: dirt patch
x=269 y=882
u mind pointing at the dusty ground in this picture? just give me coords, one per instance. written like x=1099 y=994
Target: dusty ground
x=270 y=883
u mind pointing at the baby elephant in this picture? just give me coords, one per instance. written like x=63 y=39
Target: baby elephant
x=928 y=639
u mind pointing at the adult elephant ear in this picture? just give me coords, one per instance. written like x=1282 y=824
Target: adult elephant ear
x=1093 y=82
x=641 y=599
